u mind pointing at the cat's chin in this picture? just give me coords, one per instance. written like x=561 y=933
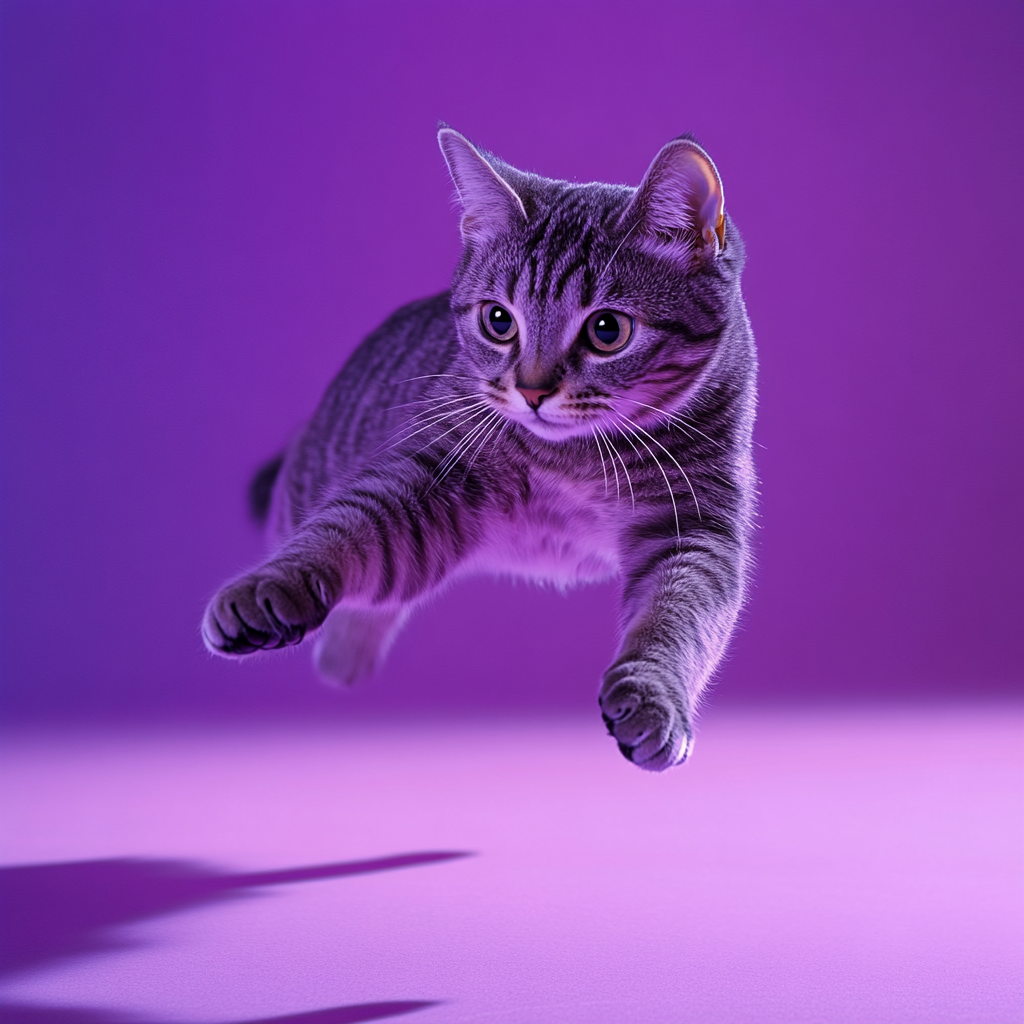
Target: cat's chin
x=548 y=431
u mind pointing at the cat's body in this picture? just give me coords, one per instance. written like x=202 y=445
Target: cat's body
x=579 y=407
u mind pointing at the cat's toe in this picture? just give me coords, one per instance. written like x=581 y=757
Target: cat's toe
x=267 y=609
x=650 y=732
x=666 y=747
x=234 y=623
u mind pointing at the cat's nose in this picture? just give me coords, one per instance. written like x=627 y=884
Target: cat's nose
x=534 y=396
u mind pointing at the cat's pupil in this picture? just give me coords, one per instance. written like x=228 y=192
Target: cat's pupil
x=500 y=319
x=606 y=329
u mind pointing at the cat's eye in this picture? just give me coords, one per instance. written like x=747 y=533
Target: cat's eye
x=608 y=331
x=498 y=323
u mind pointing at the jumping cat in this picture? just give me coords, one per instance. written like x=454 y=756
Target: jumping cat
x=579 y=406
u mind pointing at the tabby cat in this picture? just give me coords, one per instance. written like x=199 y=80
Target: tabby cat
x=579 y=406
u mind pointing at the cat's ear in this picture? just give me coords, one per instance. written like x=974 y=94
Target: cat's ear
x=680 y=204
x=489 y=204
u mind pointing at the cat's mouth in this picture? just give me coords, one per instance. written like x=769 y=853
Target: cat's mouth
x=548 y=424
x=535 y=422
x=544 y=415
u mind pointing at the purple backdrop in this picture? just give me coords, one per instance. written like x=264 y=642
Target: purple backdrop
x=206 y=205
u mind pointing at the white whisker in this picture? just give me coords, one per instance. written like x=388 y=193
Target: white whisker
x=428 y=376
x=452 y=458
x=461 y=442
x=671 y=495
x=433 y=422
x=434 y=401
x=615 y=469
x=480 y=446
x=674 y=418
x=622 y=462
x=672 y=457
x=617 y=248
x=429 y=415
x=475 y=415
x=604 y=469
x=418 y=421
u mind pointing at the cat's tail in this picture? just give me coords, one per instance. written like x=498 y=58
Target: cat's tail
x=261 y=488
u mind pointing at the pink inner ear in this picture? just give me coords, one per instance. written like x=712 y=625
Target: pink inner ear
x=681 y=198
x=712 y=216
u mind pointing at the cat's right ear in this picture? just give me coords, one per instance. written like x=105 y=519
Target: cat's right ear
x=490 y=206
x=679 y=207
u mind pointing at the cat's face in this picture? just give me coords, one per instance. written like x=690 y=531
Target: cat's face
x=576 y=305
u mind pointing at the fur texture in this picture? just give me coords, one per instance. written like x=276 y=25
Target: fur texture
x=552 y=452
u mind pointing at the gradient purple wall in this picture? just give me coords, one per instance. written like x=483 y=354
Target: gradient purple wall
x=206 y=205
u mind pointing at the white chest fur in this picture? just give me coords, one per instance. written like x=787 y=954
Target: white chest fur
x=564 y=535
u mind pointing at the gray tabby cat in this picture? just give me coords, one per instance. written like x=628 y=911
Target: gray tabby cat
x=578 y=407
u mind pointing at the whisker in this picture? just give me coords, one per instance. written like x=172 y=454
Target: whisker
x=622 y=462
x=671 y=495
x=452 y=458
x=604 y=470
x=615 y=469
x=480 y=446
x=418 y=421
x=611 y=458
x=628 y=435
x=428 y=376
x=432 y=422
x=475 y=415
x=433 y=414
x=672 y=457
x=433 y=401
x=617 y=248
x=675 y=418
x=501 y=433
x=466 y=440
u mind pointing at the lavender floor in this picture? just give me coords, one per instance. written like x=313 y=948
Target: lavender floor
x=828 y=866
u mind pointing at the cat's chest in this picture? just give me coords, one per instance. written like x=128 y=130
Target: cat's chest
x=563 y=535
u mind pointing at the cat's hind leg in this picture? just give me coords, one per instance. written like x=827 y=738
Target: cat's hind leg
x=353 y=642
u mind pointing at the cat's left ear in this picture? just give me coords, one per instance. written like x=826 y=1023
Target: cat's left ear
x=489 y=203
x=680 y=204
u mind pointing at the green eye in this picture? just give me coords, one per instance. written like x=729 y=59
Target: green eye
x=608 y=331
x=498 y=323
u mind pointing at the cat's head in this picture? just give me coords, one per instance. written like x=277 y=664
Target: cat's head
x=583 y=306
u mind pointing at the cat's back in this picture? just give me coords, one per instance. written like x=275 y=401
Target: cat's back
x=374 y=396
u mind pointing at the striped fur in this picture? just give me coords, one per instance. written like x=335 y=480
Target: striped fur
x=424 y=463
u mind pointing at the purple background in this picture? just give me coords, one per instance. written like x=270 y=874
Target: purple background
x=206 y=205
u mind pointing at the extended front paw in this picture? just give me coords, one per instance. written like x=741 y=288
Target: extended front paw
x=272 y=607
x=651 y=727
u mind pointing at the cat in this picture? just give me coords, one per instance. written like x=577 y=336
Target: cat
x=579 y=406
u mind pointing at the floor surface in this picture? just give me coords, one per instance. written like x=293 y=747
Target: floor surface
x=844 y=865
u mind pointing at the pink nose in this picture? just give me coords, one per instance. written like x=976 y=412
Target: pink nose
x=534 y=396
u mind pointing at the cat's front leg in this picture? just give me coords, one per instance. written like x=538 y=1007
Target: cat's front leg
x=382 y=544
x=679 y=610
x=273 y=606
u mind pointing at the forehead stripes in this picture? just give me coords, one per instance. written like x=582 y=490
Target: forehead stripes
x=559 y=246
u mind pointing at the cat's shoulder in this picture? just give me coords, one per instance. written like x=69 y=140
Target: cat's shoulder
x=432 y=314
x=420 y=329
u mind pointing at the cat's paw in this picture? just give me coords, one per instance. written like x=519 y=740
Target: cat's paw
x=650 y=728
x=272 y=607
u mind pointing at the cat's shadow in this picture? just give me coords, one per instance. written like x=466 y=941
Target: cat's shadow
x=55 y=912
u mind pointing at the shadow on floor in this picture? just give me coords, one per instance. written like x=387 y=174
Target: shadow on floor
x=53 y=912
x=11 y=1013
